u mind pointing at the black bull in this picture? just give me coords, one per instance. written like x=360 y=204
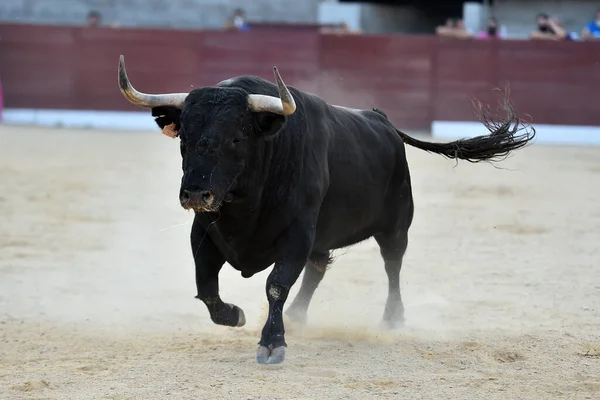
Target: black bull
x=277 y=176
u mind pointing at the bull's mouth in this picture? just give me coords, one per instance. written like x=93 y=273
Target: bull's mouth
x=200 y=210
x=213 y=206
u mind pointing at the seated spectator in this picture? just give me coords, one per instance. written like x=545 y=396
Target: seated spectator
x=444 y=30
x=592 y=30
x=549 y=29
x=340 y=29
x=492 y=31
x=237 y=21
x=454 y=29
x=93 y=18
x=461 y=31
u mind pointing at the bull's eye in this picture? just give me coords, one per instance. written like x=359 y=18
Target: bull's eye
x=236 y=140
x=203 y=148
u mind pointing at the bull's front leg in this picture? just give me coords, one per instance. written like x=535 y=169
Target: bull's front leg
x=209 y=261
x=295 y=247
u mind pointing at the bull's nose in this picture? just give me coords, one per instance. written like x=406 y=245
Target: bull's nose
x=196 y=199
x=184 y=197
x=206 y=196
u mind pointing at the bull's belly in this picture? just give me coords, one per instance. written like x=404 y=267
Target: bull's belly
x=343 y=227
x=356 y=209
x=255 y=260
x=246 y=257
x=336 y=240
x=249 y=267
x=343 y=220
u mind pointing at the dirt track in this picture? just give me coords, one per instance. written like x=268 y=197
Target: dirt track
x=501 y=284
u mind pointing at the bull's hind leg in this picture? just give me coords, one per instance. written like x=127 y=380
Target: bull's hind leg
x=314 y=271
x=393 y=246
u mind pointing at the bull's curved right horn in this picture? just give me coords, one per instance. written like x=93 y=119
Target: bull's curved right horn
x=146 y=100
x=282 y=105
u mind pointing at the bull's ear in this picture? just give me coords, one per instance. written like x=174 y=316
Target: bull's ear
x=268 y=124
x=167 y=118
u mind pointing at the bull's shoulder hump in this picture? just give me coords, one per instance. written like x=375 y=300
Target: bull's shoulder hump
x=228 y=82
x=355 y=110
x=368 y=114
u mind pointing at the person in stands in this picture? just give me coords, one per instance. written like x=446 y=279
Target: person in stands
x=446 y=29
x=454 y=29
x=237 y=21
x=341 y=28
x=549 y=29
x=592 y=30
x=93 y=18
x=492 y=30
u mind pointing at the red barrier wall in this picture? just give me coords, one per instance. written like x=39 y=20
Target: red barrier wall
x=414 y=79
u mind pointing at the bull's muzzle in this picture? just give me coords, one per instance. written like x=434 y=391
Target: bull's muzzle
x=199 y=200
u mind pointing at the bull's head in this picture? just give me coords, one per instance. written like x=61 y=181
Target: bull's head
x=219 y=128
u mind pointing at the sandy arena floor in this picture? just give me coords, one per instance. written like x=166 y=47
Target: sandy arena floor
x=501 y=284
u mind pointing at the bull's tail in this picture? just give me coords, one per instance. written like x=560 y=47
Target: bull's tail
x=505 y=136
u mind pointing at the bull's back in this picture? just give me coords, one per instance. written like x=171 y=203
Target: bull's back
x=367 y=166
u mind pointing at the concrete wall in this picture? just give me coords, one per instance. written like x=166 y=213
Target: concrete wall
x=382 y=19
x=475 y=15
x=376 y=18
x=203 y=14
x=332 y=12
x=519 y=16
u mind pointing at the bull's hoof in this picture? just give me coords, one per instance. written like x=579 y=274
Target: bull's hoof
x=241 y=317
x=262 y=354
x=266 y=355
x=393 y=324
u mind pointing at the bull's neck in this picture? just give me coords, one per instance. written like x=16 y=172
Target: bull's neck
x=271 y=166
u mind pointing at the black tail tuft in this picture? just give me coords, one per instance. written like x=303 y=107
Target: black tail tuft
x=506 y=135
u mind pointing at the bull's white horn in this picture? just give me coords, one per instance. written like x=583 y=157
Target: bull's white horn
x=143 y=99
x=282 y=105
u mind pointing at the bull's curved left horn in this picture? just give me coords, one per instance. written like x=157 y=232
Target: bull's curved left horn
x=282 y=105
x=143 y=99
